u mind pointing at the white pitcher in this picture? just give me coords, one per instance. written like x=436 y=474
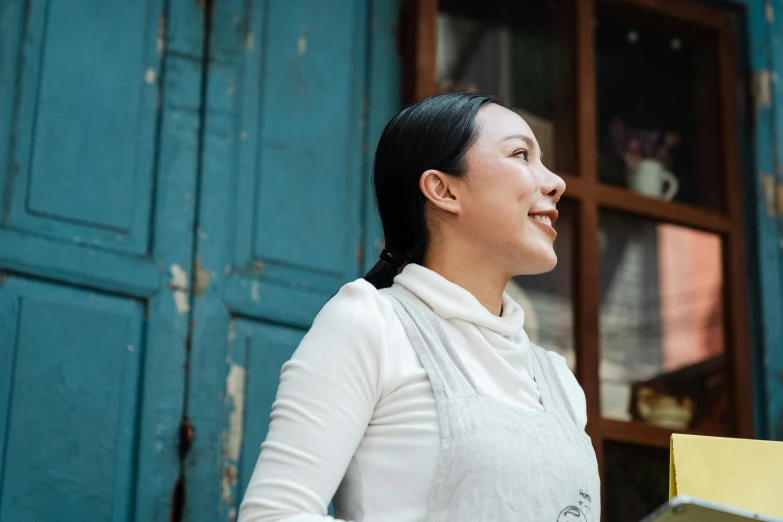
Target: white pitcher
x=652 y=179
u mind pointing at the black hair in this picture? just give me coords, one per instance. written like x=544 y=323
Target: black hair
x=434 y=133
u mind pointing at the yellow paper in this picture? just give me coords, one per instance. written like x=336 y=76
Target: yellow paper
x=746 y=474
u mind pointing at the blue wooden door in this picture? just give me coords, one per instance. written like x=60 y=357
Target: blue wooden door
x=99 y=121
x=297 y=91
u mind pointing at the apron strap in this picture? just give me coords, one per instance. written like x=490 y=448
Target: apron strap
x=552 y=390
x=446 y=371
x=447 y=374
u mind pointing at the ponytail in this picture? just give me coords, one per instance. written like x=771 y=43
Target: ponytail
x=385 y=270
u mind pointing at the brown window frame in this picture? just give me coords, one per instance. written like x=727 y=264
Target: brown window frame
x=419 y=39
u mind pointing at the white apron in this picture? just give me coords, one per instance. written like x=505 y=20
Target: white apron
x=499 y=463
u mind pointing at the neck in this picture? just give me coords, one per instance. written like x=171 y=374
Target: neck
x=473 y=272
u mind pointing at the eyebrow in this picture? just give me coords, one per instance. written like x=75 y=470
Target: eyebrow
x=527 y=139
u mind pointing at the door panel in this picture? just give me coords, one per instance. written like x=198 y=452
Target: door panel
x=69 y=403
x=87 y=104
x=304 y=142
x=79 y=91
x=297 y=164
x=284 y=214
x=258 y=351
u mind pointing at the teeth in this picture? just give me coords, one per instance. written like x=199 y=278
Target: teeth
x=543 y=219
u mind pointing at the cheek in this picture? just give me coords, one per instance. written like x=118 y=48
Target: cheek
x=527 y=185
x=500 y=210
x=494 y=200
x=509 y=182
x=500 y=197
x=516 y=193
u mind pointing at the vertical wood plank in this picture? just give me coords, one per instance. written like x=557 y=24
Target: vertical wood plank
x=419 y=42
x=165 y=362
x=761 y=232
x=770 y=253
x=588 y=274
x=566 y=85
x=734 y=264
x=587 y=277
x=586 y=95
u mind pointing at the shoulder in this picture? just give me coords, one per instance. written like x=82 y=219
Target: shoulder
x=350 y=336
x=358 y=308
x=574 y=392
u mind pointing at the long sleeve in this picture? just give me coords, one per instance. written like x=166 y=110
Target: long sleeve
x=326 y=398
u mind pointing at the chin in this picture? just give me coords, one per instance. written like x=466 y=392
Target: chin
x=536 y=263
x=548 y=264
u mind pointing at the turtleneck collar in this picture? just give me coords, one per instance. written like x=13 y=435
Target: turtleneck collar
x=451 y=301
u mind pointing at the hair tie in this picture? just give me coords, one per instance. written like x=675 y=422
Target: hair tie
x=393 y=258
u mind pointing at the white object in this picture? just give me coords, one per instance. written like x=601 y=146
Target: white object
x=689 y=509
x=355 y=402
x=651 y=179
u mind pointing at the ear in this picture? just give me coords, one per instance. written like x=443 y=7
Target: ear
x=441 y=190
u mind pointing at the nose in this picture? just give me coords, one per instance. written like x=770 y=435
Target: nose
x=553 y=186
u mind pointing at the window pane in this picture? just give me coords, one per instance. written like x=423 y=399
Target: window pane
x=547 y=298
x=662 y=325
x=659 y=127
x=521 y=52
x=636 y=480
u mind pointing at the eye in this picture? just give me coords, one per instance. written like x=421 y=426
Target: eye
x=523 y=153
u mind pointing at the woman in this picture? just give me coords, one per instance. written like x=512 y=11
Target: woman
x=416 y=395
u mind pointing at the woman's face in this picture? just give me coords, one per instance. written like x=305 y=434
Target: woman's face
x=508 y=197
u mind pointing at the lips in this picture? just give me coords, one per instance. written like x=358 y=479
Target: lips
x=545 y=219
x=548 y=216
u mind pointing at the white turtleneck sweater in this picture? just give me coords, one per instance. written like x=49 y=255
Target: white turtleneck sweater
x=355 y=404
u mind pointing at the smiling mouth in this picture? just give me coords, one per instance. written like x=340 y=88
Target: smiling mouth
x=541 y=218
x=545 y=222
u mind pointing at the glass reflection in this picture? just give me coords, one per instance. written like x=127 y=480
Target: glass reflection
x=662 y=325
